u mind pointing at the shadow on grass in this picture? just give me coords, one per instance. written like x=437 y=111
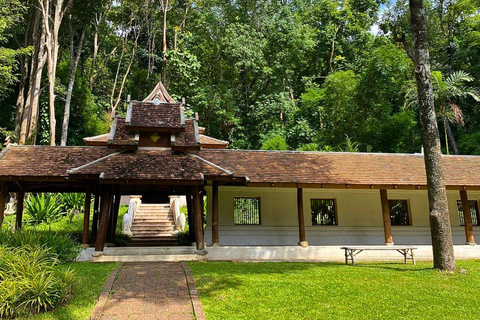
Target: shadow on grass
x=397 y=266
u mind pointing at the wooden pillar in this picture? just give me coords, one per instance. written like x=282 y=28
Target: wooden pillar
x=116 y=207
x=96 y=204
x=387 y=223
x=198 y=221
x=189 y=195
x=19 y=217
x=467 y=218
x=3 y=200
x=215 y=236
x=86 y=215
x=106 y=205
x=301 y=219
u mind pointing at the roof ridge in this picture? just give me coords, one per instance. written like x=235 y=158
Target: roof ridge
x=2 y=153
x=95 y=161
x=209 y=137
x=230 y=173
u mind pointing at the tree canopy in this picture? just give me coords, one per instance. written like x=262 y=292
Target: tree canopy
x=296 y=74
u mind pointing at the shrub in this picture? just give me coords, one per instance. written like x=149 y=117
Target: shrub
x=72 y=203
x=42 y=208
x=30 y=282
x=61 y=245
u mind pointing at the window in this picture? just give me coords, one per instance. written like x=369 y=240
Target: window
x=399 y=212
x=473 y=210
x=323 y=212
x=246 y=211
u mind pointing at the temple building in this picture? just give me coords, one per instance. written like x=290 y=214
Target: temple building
x=285 y=198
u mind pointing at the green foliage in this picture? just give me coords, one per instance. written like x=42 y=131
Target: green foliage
x=30 y=281
x=275 y=142
x=62 y=246
x=42 y=207
x=349 y=145
x=72 y=203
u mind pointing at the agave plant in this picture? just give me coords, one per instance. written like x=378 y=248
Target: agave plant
x=42 y=208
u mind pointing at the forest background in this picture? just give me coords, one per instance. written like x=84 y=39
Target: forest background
x=323 y=75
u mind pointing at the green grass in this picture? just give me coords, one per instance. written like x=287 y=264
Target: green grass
x=337 y=291
x=91 y=278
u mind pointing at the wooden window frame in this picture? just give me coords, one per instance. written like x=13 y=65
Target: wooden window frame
x=409 y=213
x=259 y=212
x=476 y=208
x=334 y=210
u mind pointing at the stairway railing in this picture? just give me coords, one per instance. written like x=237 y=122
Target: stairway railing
x=135 y=202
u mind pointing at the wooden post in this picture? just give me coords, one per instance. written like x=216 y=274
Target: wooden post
x=215 y=236
x=116 y=207
x=96 y=204
x=3 y=200
x=106 y=205
x=387 y=223
x=19 y=213
x=301 y=219
x=467 y=218
x=189 y=195
x=198 y=221
x=86 y=216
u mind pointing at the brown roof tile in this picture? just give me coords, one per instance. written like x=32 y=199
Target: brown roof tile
x=151 y=164
x=155 y=117
x=46 y=161
x=188 y=138
x=119 y=137
x=341 y=168
x=212 y=143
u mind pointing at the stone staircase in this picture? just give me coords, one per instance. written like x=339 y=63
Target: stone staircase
x=153 y=225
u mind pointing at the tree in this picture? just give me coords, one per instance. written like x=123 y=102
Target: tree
x=447 y=92
x=441 y=233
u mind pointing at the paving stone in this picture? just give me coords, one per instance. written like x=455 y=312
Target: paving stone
x=149 y=291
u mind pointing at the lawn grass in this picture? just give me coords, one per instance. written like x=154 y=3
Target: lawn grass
x=91 y=278
x=230 y=290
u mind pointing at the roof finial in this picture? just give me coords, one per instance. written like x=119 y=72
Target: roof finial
x=159 y=93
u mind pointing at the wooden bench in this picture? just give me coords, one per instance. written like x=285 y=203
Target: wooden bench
x=352 y=251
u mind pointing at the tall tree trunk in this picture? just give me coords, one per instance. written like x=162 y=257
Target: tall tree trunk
x=451 y=138
x=441 y=233
x=74 y=59
x=165 y=9
x=53 y=12
x=28 y=105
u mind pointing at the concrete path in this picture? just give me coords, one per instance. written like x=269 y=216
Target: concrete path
x=149 y=291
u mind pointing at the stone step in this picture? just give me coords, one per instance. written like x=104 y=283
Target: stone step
x=145 y=258
x=154 y=221
x=136 y=229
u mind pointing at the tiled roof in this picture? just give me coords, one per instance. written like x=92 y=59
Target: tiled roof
x=341 y=168
x=100 y=140
x=46 y=161
x=157 y=117
x=119 y=137
x=212 y=143
x=150 y=164
x=188 y=138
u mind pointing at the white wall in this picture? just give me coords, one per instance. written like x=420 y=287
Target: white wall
x=359 y=217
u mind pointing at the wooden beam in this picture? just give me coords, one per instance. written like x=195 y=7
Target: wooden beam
x=215 y=236
x=116 y=208
x=86 y=215
x=198 y=221
x=106 y=205
x=96 y=213
x=301 y=219
x=3 y=200
x=387 y=223
x=19 y=213
x=190 y=213
x=467 y=218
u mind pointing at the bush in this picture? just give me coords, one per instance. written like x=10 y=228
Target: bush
x=42 y=208
x=30 y=281
x=62 y=246
x=72 y=204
